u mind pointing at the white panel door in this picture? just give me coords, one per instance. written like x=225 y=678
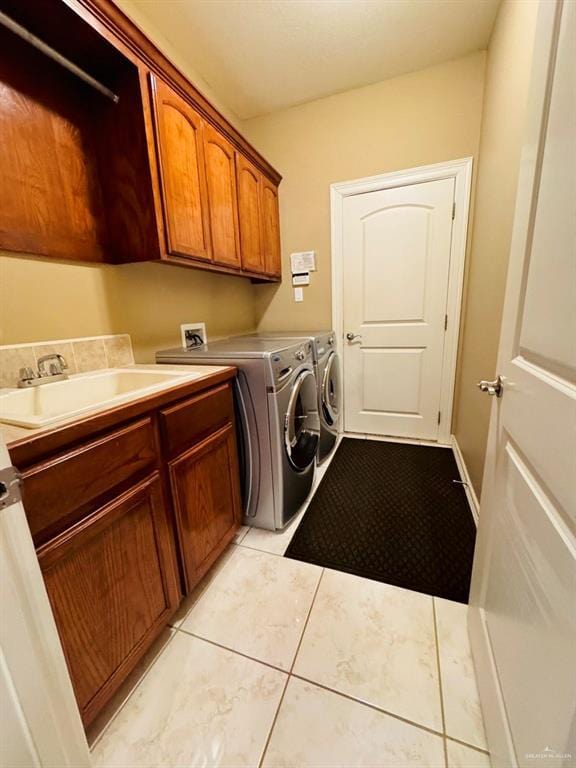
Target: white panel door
x=523 y=618
x=396 y=254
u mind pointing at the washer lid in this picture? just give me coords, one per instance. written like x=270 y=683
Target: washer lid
x=301 y=424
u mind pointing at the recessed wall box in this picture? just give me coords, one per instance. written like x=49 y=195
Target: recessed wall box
x=193 y=335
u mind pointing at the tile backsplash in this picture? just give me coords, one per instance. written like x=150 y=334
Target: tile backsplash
x=83 y=354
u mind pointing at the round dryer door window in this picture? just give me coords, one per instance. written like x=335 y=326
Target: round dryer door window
x=301 y=426
x=331 y=390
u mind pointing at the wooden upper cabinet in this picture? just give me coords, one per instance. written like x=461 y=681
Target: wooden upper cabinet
x=180 y=145
x=222 y=197
x=248 y=177
x=75 y=177
x=270 y=223
x=154 y=173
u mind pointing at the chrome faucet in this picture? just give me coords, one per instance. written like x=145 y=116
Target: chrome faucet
x=50 y=368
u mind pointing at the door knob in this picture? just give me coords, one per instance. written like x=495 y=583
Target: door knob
x=353 y=336
x=493 y=388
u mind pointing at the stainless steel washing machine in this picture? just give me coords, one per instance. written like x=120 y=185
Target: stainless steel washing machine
x=327 y=371
x=278 y=420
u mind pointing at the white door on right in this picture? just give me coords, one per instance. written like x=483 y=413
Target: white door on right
x=396 y=262
x=523 y=594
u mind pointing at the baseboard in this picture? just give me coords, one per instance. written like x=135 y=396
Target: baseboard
x=468 y=487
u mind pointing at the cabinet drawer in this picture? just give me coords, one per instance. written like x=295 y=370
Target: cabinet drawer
x=193 y=419
x=62 y=489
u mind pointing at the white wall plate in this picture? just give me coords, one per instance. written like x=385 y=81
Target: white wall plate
x=193 y=334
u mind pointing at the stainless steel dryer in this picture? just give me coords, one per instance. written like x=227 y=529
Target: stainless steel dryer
x=327 y=371
x=278 y=421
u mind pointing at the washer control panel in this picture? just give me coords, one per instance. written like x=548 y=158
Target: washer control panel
x=284 y=363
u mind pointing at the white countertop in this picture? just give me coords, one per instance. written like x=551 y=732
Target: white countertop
x=185 y=374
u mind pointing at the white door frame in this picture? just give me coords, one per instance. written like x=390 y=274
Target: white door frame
x=459 y=170
x=41 y=717
x=496 y=719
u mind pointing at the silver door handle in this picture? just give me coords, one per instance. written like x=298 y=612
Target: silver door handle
x=353 y=336
x=493 y=388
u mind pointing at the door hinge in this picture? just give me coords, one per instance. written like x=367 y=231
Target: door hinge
x=9 y=487
x=445 y=322
x=453 y=211
x=439 y=414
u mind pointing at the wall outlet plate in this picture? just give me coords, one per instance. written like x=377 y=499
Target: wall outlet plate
x=193 y=335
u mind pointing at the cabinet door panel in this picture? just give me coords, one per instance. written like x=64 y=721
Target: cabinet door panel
x=249 y=215
x=205 y=488
x=112 y=584
x=180 y=148
x=270 y=219
x=223 y=208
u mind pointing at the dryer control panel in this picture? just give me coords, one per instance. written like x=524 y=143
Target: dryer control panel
x=324 y=345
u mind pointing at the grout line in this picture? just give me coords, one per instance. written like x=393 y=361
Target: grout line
x=307 y=620
x=290 y=672
x=368 y=704
x=74 y=363
x=466 y=744
x=265 y=749
x=265 y=551
x=232 y=650
x=437 y=644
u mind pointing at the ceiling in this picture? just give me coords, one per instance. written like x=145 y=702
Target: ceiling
x=260 y=56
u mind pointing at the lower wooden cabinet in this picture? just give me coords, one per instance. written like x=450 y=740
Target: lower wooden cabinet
x=111 y=510
x=112 y=585
x=205 y=490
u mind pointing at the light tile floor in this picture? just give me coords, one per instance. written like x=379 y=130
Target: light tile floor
x=276 y=663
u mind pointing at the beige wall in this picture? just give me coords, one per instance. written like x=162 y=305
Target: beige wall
x=44 y=299
x=507 y=77
x=421 y=118
x=149 y=301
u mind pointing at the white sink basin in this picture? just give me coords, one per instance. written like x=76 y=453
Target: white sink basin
x=47 y=403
